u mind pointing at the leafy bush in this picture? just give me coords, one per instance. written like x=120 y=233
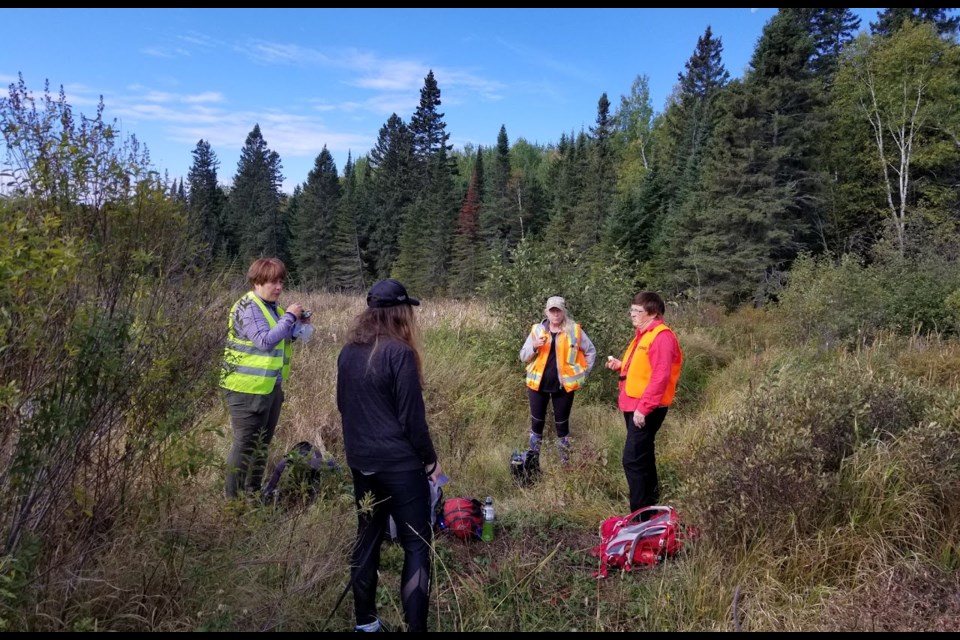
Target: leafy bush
x=848 y=301
x=772 y=465
x=108 y=340
x=597 y=286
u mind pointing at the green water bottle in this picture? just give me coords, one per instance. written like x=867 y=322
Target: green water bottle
x=486 y=532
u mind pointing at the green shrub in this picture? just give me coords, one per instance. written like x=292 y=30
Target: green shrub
x=771 y=466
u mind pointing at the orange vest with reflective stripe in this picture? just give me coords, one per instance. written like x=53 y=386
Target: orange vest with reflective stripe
x=570 y=359
x=640 y=372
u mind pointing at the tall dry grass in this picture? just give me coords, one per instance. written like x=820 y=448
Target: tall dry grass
x=190 y=562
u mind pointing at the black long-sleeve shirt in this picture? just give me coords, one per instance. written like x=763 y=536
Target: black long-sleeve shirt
x=381 y=404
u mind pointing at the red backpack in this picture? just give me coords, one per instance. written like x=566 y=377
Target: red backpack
x=462 y=517
x=645 y=537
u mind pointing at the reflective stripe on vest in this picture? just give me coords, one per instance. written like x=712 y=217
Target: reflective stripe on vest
x=640 y=371
x=571 y=362
x=246 y=368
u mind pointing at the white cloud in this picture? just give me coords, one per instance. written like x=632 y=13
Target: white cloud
x=276 y=53
x=206 y=96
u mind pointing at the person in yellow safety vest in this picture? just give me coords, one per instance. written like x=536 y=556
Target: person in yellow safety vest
x=649 y=371
x=559 y=356
x=256 y=361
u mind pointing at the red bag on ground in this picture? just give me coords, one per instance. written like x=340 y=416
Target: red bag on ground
x=645 y=537
x=462 y=517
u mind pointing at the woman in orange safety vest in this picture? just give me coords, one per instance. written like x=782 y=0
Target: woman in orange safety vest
x=559 y=356
x=649 y=372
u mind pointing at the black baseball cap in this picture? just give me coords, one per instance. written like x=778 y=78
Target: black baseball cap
x=389 y=293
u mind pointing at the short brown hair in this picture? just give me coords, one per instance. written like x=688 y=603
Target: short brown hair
x=266 y=270
x=651 y=302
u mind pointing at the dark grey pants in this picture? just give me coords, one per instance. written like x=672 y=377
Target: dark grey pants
x=254 y=418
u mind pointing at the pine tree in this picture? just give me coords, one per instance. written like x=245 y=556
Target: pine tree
x=468 y=247
x=255 y=201
x=428 y=128
x=688 y=125
x=600 y=181
x=831 y=29
x=394 y=187
x=499 y=224
x=760 y=191
x=206 y=200
x=891 y=20
x=315 y=224
x=347 y=267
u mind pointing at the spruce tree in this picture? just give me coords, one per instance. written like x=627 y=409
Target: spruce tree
x=206 y=201
x=347 y=261
x=315 y=224
x=760 y=192
x=600 y=182
x=394 y=187
x=254 y=206
x=499 y=222
x=688 y=125
x=889 y=21
x=468 y=250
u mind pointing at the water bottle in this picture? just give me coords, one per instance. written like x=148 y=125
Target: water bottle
x=486 y=533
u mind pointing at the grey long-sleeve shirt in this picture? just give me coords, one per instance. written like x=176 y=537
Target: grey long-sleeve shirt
x=250 y=324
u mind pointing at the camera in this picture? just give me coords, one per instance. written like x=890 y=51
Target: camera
x=306 y=313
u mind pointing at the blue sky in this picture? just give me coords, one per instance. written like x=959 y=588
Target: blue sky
x=333 y=76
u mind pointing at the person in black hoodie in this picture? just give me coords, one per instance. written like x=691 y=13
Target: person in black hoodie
x=388 y=448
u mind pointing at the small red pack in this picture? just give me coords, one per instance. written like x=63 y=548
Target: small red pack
x=462 y=517
x=645 y=537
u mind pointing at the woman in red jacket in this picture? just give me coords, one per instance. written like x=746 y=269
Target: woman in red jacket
x=649 y=372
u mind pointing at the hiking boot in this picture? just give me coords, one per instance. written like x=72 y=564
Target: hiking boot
x=535 y=440
x=563 y=448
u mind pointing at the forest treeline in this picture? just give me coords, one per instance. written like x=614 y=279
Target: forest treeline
x=832 y=144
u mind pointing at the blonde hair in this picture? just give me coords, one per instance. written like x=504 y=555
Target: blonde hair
x=568 y=322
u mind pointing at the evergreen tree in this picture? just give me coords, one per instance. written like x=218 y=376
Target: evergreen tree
x=466 y=268
x=392 y=163
x=429 y=129
x=255 y=201
x=206 y=200
x=315 y=224
x=831 y=29
x=891 y=20
x=589 y=223
x=760 y=191
x=688 y=124
x=500 y=225
x=427 y=233
x=347 y=269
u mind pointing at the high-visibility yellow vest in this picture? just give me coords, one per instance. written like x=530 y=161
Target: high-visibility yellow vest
x=640 y=372
x=248 y=369
x=570 y=358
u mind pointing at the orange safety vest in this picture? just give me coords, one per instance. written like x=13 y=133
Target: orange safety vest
x=640 y=371
x=570 y=359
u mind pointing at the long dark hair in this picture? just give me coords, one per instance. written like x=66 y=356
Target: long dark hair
x=376 y=324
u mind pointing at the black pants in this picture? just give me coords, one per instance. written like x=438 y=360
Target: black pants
x=254 y=418
x=562 y=404
x=405 y=495
x=640 y=459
